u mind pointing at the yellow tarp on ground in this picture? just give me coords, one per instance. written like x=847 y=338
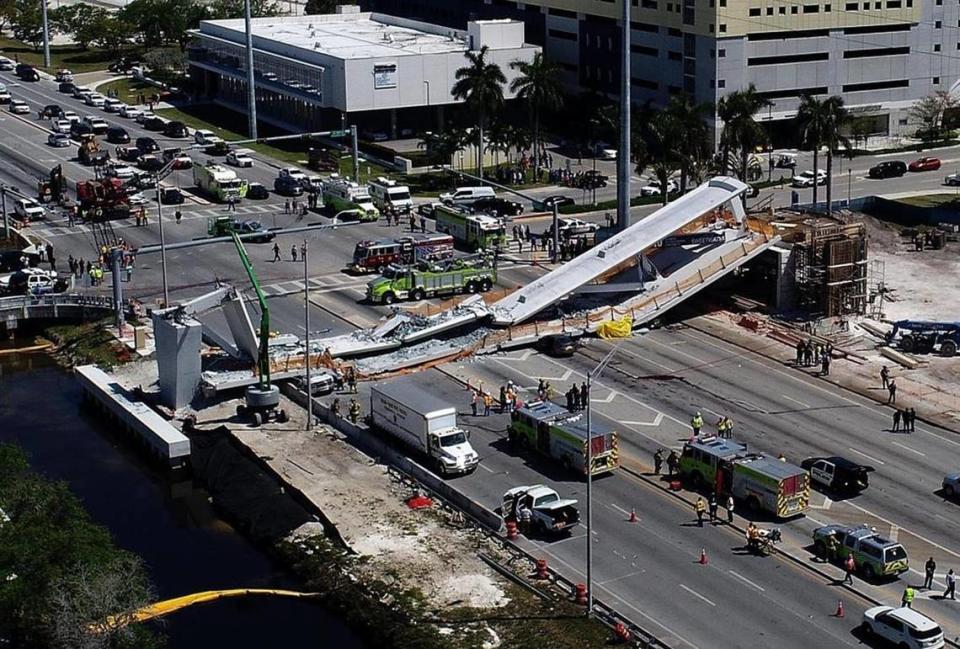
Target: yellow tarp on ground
x=621 y=328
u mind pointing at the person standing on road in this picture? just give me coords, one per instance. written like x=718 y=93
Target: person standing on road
x=951 y=585
x=286 y=206
x=908 y=595
x=729 y=510
x=896 y=420
x=885 y=376
x=293 y=252
x=696 y=423
x=700 y=508
x=503 y=398
x=276 y=252
x=800 y=348
x=178 y=216
x=913 y=419
x=712 y=502
x=849 y=567
x=473 y=402
x=584 y=396
x=892 y=389
x=929 y=570
x=657 y=461
x=423 y=224
x=672 y=462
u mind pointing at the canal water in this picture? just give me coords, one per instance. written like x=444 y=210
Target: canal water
x=169 y=523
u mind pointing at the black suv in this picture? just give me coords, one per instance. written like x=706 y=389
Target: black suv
x=67 y=87
x=147 y=145
x=27 y=72
x=78 y=128
x=52 y=110
x=176 y=129
x=117 y=135
x=155 y=124
x=501 y=206
x=888 y=169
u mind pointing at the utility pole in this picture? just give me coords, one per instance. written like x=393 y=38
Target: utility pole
x=46 y=35
x=115 y=256
x=556 y=233
x=590 y=491
x=623 y=157
x=163 y=248
x=3 y=206
x=306 y=326
x=251 y=85
x=356 y=153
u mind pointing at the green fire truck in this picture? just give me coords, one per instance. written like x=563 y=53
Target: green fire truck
x=473 y=231
x=764 y=483
x=554 y=431
x=430 y=279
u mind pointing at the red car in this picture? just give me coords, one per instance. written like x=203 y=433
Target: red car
x=925 y=164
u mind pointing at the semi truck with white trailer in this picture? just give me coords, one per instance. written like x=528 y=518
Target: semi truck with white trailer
x=423 y=422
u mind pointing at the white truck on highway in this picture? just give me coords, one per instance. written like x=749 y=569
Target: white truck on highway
x=424 y=422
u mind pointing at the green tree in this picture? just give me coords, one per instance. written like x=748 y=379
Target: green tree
x=88 y=25
x=812 y=118
x=480 y=85
x=444 y=145
x=741 y=132
x=837 y=117
x=693 y=136
x=113 y=33
x=315 y=7
x=538 y=86
x=929 y=111
x=27 y=22
x=220 y=9
x=659 y=153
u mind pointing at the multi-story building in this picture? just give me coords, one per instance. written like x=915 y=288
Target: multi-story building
x=880 y=56
x=318 y=72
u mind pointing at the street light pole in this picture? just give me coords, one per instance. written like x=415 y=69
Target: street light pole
x=590 y=495
x=3 y=206
x=46 y=35
x=623 y=156
x=163 y=248
x=306 y=325
x=849 y=181
x=251 y=87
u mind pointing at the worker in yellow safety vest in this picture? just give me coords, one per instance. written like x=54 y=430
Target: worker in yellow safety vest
x=700 y=508
x=696 y=423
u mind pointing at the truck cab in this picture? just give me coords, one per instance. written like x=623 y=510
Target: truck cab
x=874 y=555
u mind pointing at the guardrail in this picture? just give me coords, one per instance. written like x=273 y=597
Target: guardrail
x=57 y=300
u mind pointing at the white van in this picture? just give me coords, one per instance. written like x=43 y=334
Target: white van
x=388 y=196
x=466 y=195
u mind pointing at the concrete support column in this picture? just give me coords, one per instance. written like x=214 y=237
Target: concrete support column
x=440 y=118
x=393 y=123
x=178 y=360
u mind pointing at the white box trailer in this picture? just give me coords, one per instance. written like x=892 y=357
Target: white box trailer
x=423 y=422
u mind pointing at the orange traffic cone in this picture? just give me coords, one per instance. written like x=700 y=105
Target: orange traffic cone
x=839 y=612
x=703 y=557
x=633 y=515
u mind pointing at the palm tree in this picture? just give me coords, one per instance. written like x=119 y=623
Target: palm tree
x=741 y=132
x=692 y=134
x=498 y=139
x=480 y=85
x=659 y=135
x=836 y=118
x=539 y=87
x=812 y=120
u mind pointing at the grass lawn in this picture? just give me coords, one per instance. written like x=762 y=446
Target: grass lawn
x=71 y=57
x=231 y=125
x=127 y=89
x=930 y=200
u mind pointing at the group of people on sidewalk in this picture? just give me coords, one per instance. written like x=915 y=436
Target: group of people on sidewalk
x=810 y=353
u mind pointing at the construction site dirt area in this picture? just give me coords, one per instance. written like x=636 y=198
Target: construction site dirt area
x=366 y=505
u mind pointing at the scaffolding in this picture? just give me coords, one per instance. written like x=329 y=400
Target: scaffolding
x=831 y=267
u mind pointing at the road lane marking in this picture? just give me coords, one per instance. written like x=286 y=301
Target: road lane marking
x=799 y=403
x=744 y=579
x=621 y=577
x=907 y=448
x=894 y=532
x=619 y=509
x=486 y=468
x=696 y=594
x=869 y=457
x=656 y=421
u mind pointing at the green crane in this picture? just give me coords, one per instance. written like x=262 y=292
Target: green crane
x=263 y=397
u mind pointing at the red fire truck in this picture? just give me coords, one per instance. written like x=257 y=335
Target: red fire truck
x=370 y=255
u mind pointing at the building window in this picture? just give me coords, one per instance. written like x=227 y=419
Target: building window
x=723 y=3
x=852 y=6
x=669 y=6
x=794 y=9
x=643 y=83
x=936 y=81
x=610 y=43
x=937 y=25
x=939 y=2
x=880 y=51
x=936 y=47
x=782 y=11
x=713 y=3
x=755 y=11
x=878 y=5
x=566 y=36
x=893 y=4
x=646 y=51
x=811 y=9
x=788 y=58
x=674 y=56
x=713 y=53
x=675 y=32
x=876 y=85
x=721 y=83
x=866 y=6
x=721 y=53
x=711 y=28
x=648 y=4
x=769 y=11
x=723 y=28
x=827 y=8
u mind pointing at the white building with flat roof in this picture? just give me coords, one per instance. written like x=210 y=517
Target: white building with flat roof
x=312 y=69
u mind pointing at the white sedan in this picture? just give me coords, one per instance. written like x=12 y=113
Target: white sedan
x=19 y=107
x=240 y=158
x=61 y=126
x=130 y=112
x=70 y=116
x=137 y=199
x=58 y=140
x=653 y=188
x=806 y=178
x=576 y=226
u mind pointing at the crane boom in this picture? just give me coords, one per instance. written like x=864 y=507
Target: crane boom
x=263 y=358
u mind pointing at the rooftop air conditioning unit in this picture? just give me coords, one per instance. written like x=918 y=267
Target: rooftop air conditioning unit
x=317 y=45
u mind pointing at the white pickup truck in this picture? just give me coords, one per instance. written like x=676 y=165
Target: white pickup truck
x=549 y=514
